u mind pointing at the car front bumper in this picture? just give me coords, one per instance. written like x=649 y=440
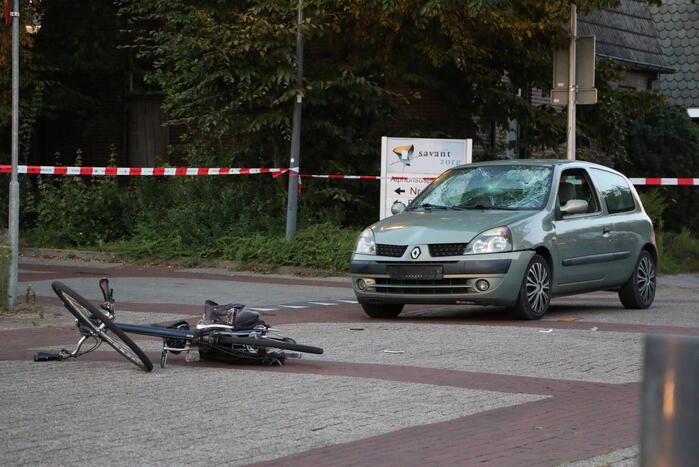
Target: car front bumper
x=378 y=280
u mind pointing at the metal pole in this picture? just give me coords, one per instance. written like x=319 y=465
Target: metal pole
x=295 y=162
x=14 y=183
x=670 y=401
x=570 y=149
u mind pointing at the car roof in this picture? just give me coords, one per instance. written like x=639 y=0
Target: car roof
x=536 y=162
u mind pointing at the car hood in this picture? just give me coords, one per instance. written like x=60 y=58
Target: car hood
x=438 y=226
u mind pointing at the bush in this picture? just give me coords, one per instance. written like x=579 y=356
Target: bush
x=679 y=252
x=323 y=246
x=72 y=211
x=654 y=203
x=664 y=142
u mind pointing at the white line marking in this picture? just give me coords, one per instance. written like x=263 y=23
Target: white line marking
x=293 y=306
x=263 y=309
x=348 y=301
x=323 y=304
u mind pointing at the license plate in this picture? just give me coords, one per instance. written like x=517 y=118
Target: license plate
x=415 y=273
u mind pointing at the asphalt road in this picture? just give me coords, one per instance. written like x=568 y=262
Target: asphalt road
x=455 y=385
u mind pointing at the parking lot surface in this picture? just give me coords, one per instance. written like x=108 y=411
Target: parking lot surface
x=441 y=385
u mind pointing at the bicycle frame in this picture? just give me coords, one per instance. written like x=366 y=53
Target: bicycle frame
x=219 y=341
x=194 y=338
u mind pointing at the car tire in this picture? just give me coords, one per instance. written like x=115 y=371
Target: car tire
x=385 y=311
x=535 y=293
x=639 y=290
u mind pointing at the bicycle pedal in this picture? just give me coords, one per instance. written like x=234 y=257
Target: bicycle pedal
x=292 y=354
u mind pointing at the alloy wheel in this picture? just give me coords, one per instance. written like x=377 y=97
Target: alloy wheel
x=538 y=287
x=645 y=278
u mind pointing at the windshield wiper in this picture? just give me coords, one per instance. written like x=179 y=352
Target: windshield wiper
x=431 y=206
x=483 y=206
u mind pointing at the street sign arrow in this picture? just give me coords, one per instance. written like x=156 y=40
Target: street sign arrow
x=398 y=191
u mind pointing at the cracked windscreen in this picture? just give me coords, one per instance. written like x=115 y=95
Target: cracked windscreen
x=505 y=187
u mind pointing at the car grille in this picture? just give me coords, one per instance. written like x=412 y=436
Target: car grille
x=447 y=249
x=395 y=251
x=435 y=287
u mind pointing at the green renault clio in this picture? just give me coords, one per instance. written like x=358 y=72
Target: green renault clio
x=509 y=233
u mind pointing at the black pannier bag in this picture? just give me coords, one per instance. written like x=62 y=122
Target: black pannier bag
x=230 y=314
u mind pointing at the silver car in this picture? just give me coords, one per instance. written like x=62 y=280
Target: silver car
x=509 y=233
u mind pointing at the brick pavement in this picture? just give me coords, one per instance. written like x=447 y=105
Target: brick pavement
x=569 y=418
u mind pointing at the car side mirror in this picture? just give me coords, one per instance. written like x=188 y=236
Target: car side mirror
x=397 y=207
x=574 y=206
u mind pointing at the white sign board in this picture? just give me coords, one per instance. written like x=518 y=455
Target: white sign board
x=407 y=162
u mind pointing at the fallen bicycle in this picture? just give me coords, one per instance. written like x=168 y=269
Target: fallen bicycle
x=226 y=332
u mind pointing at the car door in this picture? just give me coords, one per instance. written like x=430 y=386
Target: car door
x=581 y=244
x=625 y=240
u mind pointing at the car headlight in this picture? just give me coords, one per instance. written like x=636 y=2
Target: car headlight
x=495 y=240
x=365 y=243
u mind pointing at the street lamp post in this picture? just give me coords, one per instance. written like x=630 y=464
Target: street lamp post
x=295 y=160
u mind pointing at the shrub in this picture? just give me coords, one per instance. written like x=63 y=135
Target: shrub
x=679 y=252
x=655 y=203
x=72 y=211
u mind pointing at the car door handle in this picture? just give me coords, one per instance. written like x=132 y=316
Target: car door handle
x=606 y=230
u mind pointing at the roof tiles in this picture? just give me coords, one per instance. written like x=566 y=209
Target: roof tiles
x=627 y=34
x=677 y=24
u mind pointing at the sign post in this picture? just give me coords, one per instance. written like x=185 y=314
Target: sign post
x=407 y=162
x=574 y=76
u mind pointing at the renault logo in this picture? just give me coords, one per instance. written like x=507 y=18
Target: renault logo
x=415 y=252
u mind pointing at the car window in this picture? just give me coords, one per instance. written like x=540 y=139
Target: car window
x=615 y=191
x=575 y=184
x=511 y=187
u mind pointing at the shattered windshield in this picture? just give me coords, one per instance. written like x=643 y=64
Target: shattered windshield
x=508 y=187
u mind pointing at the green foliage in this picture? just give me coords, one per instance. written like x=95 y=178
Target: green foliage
x=323 y=246
x=664 y=142
x=74 y=211
x=197 y=210
x=679 y=252
x=654 y=203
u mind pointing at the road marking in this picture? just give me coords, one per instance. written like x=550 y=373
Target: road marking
x=323 y=304
x=293 y=306
x=263 y=309
x=348 y=301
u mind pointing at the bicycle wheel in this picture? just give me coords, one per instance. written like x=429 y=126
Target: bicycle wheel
x=101 y=325
x=267 y=342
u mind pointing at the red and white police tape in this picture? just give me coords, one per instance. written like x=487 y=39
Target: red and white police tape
x=59 y=170
x=172 y=171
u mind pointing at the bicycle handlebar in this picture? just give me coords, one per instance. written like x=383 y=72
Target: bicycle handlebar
x=46 y=356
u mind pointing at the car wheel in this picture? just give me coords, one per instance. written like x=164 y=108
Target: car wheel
x=535 y=292
x=386 y=311
x=639 y=291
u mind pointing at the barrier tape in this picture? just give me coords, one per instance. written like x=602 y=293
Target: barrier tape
x=171 y=171
x=192 y=171
x=665 y=181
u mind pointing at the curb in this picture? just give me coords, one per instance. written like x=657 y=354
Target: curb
x=80 y=255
